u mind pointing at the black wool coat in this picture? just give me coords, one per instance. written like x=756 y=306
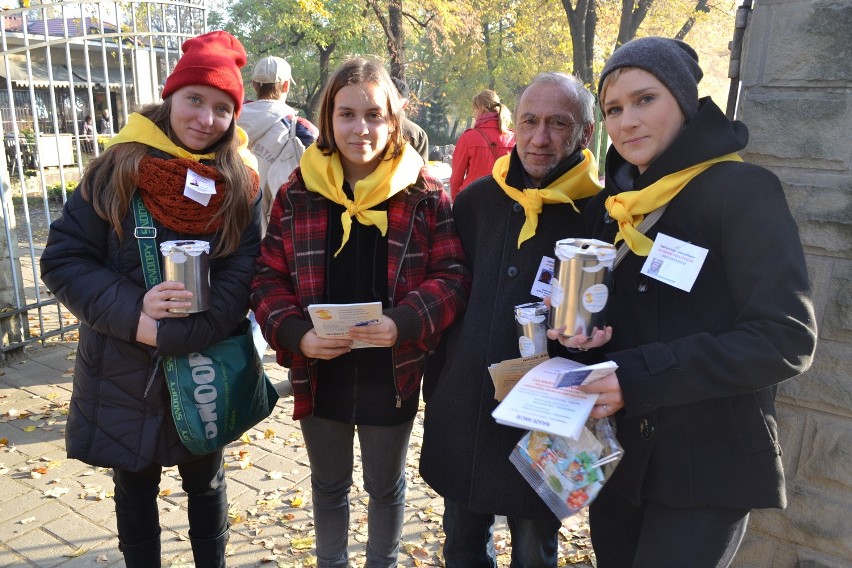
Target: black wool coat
x=465 y=453
x=120 y=415
x=699 y=369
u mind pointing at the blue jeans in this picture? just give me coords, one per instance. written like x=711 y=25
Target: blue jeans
x=383 y=451
x=470 y=542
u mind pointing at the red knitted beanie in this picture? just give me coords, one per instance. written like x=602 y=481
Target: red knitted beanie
x=213 y=59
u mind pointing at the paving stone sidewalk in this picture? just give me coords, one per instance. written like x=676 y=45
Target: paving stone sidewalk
x=60 y=512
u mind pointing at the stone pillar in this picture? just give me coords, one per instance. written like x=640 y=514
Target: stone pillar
x=796 y=99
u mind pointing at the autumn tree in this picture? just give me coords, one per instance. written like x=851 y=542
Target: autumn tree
x=585 y=19
x=448 y=50
x=312 y=35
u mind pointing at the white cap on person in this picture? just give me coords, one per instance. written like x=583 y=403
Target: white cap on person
x=271 y=70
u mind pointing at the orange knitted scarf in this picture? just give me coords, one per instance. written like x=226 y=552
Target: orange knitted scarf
x=161 y=184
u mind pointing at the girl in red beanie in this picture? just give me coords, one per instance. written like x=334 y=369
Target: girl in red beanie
x=120 y=415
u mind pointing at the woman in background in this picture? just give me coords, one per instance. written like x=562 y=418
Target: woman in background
x=479 y=147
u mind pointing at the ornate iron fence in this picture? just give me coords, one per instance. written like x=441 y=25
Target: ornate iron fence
x=70 y=74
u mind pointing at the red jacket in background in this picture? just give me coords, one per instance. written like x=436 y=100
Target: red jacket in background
x=473 y=156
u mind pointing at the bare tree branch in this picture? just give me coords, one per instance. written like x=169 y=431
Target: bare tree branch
x=412 y=18
x=700 y=6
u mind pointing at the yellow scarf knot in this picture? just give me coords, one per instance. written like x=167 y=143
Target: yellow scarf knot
x=630 y=207
x=324 y=175
x=579 y=182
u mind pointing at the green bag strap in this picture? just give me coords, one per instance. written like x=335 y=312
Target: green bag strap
x=146 y=237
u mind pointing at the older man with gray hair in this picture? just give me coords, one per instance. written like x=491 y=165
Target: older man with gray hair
x=508 y=224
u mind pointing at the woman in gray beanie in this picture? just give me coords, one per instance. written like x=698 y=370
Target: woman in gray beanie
x=703 y=339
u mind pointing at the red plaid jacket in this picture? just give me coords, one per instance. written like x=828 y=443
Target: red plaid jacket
x=428 y=279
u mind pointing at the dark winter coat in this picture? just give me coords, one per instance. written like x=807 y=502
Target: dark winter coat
x=120 y=415
x=417 y=137
x=699 y=369
x=465 y=453
x=427 y=279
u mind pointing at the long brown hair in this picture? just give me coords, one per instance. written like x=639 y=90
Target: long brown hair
x=352 y=72
x=111 y=179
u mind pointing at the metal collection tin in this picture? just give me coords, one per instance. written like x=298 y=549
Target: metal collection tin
x=579 y=290
x=189 y=262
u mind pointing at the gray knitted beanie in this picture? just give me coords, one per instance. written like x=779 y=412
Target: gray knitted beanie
x=671 y=61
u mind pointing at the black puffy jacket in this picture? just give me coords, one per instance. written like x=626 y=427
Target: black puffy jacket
x=119 y=415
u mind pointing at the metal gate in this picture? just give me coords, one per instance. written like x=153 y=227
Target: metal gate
x=70 y=74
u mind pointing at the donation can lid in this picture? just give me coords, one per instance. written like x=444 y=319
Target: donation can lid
x=584 y=249
x=191 y=248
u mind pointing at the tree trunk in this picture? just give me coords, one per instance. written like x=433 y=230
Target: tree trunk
x=394 y=34
x=324 y=66
x=396 y=39
x=489 y=60
x=632 y=15
x=582 y=21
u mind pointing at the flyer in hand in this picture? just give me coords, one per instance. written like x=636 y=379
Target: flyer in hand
x=547 y=399
x=334 y=320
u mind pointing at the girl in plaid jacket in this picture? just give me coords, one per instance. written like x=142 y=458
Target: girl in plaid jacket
x=359 y=221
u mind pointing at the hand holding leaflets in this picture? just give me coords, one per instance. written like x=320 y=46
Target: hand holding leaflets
x=547 y=398
x=334 y=320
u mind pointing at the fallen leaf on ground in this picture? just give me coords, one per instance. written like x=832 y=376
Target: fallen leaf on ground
x=56 y=492
x=77 y=553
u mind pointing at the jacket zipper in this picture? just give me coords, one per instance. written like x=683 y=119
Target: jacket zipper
x=153 y=368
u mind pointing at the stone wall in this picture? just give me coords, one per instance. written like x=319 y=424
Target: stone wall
x=796 y=99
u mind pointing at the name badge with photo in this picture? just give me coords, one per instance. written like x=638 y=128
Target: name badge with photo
x=199 y=188
x=674 y=262
x=541 y=287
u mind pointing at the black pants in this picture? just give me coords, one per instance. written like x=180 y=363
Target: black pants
x=203 y=480
x=654 y=535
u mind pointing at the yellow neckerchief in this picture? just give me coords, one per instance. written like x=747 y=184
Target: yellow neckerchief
x=578 y=182
x=324 y=175
x=630 y=207
x=140 y=129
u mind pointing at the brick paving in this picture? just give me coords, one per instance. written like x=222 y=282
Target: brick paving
x=59 y=512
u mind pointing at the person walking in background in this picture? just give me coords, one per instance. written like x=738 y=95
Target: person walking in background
x=508 y=222
x=120 y=413
x=701 y=345
x=359 y=222
x=268 y=122
x=415 y=135
x=104 y=123
x=479 y=147
x=87 y=135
